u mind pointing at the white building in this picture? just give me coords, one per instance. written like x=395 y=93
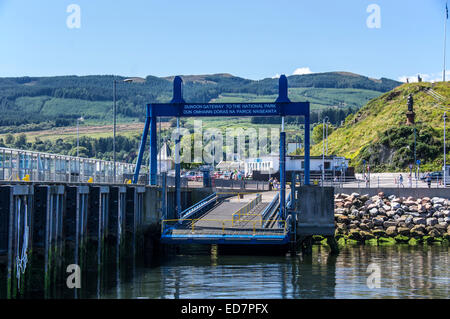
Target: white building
x=271 y=164
x=266 y=165
x=230 y=165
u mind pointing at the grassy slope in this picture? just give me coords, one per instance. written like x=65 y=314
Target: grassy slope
x=382 y=113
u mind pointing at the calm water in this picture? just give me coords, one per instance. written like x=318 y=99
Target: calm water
x=406 y=272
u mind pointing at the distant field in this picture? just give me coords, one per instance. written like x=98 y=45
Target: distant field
x=130 y=129
x=95 y=131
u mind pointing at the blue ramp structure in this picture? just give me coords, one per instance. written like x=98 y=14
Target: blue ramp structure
x=178 y=108
x=261 y=219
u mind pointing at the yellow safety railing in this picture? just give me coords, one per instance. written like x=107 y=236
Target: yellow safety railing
x=245 y=211
x=234 y=193
x=223 y=223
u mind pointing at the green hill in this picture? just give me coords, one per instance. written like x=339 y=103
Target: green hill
x=378 y=132
x=31 y=103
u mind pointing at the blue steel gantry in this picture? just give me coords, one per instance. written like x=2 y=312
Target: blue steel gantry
x=179 y=108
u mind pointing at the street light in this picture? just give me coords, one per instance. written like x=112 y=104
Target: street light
x=326 y=135
x=445 y=166
x=78 y=134
x=415 y=154
x=323 y=147
x=129 y=80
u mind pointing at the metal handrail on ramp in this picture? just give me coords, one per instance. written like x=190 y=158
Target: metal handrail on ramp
x=200 y=206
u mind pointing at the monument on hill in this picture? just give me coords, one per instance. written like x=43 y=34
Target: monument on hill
x=410 y=115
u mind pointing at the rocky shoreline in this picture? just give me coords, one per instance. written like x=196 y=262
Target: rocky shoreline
x=381 y=219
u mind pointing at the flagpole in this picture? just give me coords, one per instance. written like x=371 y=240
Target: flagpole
x=445 y=39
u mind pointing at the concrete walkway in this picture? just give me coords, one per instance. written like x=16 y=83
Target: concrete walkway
x=390 y=180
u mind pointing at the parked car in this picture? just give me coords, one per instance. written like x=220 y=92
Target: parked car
x=226 y=175
x=194 y=176
x=198 y=177
x=191 y=176
x=218 y=175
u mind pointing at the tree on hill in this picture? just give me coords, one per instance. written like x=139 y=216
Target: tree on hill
x=9 y=139
x=21 y=141
x=317 y=134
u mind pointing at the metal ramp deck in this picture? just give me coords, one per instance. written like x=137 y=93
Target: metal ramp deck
x=234 y=221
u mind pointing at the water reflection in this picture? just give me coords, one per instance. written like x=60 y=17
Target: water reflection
x=406 y=272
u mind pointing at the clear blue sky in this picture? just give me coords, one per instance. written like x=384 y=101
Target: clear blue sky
x=248 y=38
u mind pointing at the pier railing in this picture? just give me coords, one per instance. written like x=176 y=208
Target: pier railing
x=245 y=211
x=21 y=165
x=199 y=207
x=240 y=184
x=269 y=211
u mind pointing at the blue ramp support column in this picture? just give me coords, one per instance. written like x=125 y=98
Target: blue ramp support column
x=282 y=175
x=153 y=149
x=282 y=98
x=177 y=100
x=142 y=146
x=178 y=173
x=307 y=157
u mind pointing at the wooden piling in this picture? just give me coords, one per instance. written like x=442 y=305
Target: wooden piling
x=16 y=216
x=5 y=230
x=75 y=229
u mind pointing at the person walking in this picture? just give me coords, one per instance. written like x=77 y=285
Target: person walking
x=400 y=181
x=410 y=181
x=429 y=180
x=271 y=183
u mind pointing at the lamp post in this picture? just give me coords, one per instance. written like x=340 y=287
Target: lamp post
x=445 y=166
x=78 y=134
x=114 y=130
x=445 y=39
x=323 y=147
x=327 y=138
x=415 y=153
x=114 y=124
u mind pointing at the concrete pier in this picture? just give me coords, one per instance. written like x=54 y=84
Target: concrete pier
x=45 y=227
x=313 y=214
